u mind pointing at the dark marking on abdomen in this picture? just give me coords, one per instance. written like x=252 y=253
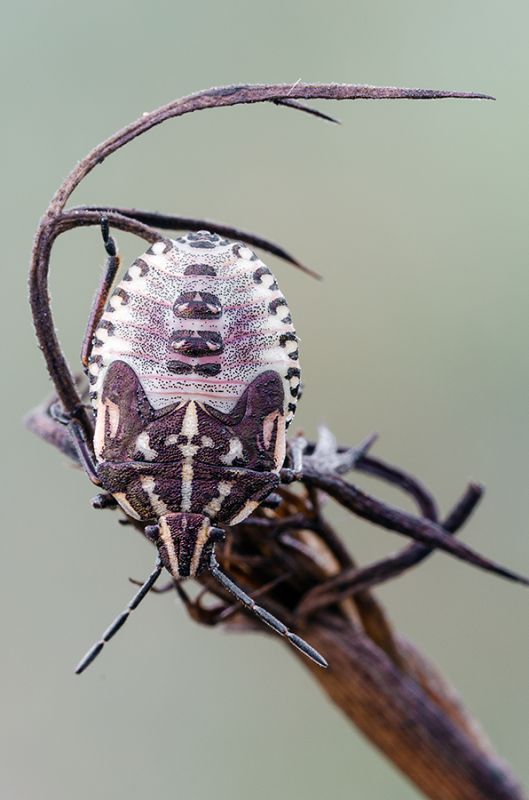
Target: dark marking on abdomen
x=197 y=305
x=200 y=269
x=197 y=343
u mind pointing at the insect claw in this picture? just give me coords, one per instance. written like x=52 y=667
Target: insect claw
x=217 y=534
x=103 y=500
x=152 y=532
x=273 y=501
x=289 y=475
x=58 y=414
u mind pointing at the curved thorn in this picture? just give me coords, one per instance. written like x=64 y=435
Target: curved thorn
x=178 y=222
x=307 y=109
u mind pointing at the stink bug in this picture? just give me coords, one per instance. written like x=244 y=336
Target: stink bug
x=194 y=375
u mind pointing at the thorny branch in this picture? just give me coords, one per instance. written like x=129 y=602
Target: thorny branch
x=289 y=553
x=55 y=220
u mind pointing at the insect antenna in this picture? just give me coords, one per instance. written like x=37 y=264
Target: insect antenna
x=119 y=621
x=276 y=625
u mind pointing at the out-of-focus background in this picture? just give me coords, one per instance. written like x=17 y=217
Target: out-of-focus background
x=416 y=214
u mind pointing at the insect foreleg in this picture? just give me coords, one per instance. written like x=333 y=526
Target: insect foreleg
x=47 y=427
x=264 y=615
x=101 y=298
x=119 y=621
x=104 y=500
x=83 y=450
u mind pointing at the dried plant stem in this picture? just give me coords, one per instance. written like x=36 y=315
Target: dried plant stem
x=438 y=747
x=380 y=681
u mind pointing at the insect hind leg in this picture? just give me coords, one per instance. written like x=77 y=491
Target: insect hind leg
x=264 y=615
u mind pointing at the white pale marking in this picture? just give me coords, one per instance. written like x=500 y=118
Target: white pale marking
x=267 y=280
x=280 y=448
x=187 y=484
x=136 y=283
x=247 y=509
x=294 y=381
x=157 y=261
x=274 y=355
x=113 y=417
x=102 y=334
x=93 y=369
x=121 y=497
x=119 y=311
x=172 y=439
x=207 y=441
x=134 y=272
x=213 y=507
x=158 y=506
x=115 y=343
x=201 y=540
x=282 y=311
x=99 y=433
x=245 y=253
x=143 y=446
x=189 y=430
x=268 y=428
x=158 y=247
x=189 y=450
x=291 y=346
x=234 y=452
x=167 y=539
x=190 y=421
x=274 y=323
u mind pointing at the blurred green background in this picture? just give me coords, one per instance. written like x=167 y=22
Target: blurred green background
x=416 y=214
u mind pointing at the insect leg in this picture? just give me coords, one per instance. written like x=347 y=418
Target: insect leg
x=65 y=433
x=78 y=437
x=46 y=426
x=103 y=292
x=276 y=625
x=162 y=590
x=104 y=500
x=273 y=501
x=119 y=621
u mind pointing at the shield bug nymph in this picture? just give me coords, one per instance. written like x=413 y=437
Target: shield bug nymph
x=194 y=378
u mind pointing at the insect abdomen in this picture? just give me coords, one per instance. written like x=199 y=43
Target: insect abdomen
x=198 y=318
